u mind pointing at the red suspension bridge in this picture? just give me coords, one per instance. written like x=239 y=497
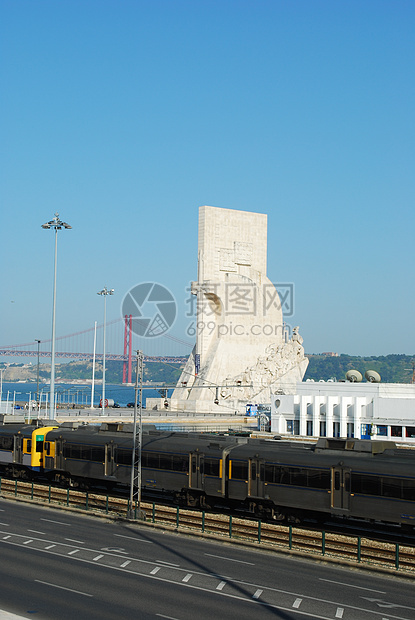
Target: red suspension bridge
x=121 y=343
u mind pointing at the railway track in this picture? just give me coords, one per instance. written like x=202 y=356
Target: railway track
x=358 y=549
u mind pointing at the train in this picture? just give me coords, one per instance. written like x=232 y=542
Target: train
x=272 y=479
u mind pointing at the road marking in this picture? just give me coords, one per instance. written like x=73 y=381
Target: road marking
x=79 y=542
x=133 y=538
x=339 y=612
x=52 y=521
x=221 y=585
x=6 y=524
x=124 y=564
x=53 y=585
x=73 y=552
x=167 y=617
x=187 y=577
x=27 y=542
x=98 y=557
x=297 y=603
x=349 y=585
x=50 y=547
x=37 y=532
x=257 y=594
x=6 y=537
x=155 y=570
x=230 y=559
x=168 y=563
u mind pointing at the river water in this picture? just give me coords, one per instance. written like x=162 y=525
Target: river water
x=69 y=393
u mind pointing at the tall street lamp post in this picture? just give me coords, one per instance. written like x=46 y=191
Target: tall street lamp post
x=57 y=224
x=104 y=292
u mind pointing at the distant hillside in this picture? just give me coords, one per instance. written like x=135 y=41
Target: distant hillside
x=155 y=371
x=392 y=368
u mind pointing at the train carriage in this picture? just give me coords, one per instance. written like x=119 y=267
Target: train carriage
x=283 y=481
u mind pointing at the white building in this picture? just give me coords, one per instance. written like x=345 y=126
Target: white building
x=343 y=409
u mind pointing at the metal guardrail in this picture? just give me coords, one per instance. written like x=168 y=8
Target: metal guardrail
x=355 y=549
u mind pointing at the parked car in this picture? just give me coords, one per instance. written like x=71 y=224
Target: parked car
x=116 y=406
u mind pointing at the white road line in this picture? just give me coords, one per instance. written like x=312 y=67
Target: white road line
x=53 y=585
x=52 y=521
x=27 y=542
x=6 y=537
x=229 y=559
x=221 y=585
x=297 y=603
x=166 y=617
x=339 y=612
x=6 y=524
x=37 y=532
x=50 y=547
x=98 y=557
x=78 y=542
x=125 y=563
x=73 y=552
x=167 y=563
x=350 y=585
x=133 y=538
x=187 y=577
x=155 y=570
x=257 y=594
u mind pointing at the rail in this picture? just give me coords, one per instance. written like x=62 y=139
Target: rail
x=355 y=549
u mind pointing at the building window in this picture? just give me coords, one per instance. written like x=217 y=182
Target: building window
x=410 y=431
x=336 y=429
x=396 y=431
x=293 y=427
x=382 y=430
x=350 y=429
x=309 y=428
x=322 y=429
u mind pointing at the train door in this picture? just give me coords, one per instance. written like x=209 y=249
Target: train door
x=195 y=472
x=256 y=478
x=340 y=487
x=109 y=460
x=17 y=448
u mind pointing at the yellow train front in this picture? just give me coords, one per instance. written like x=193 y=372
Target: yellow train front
x=22 y=449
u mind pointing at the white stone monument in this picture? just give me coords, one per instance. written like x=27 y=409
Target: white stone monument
x=242 y=349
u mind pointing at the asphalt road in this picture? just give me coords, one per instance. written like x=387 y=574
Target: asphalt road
x=60 y=565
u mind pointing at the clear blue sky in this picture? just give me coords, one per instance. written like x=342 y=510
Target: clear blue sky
x=126 y=115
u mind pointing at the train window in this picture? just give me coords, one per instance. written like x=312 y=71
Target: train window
x=152 y=460
x=123 y=457
x=47 y=447
x=347 y=481
x=29 y=446
x=95 y=454
x=392 y=487
x=336 y=480
x=239 y=470
x=298 y=476
x=211 y=467
x=408 y=490
x=6 y=443
x=366 y=484
x=317 y=479
x=39 y=444
x=165 y=461
x=180 y=463
x=253 y=470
